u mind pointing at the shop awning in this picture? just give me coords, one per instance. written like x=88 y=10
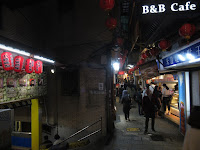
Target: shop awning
x=15 y=104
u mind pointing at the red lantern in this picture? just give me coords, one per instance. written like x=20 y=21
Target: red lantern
x=107 y=4
x=121 y=73
x=111 y=23
x=7 y=61
x=18 y=63
x=187 y=30
x=29 y=68
x=164 y=44
x=154 y=51
x=38 y=67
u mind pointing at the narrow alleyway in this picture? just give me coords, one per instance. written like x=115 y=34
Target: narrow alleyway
x=130 y=135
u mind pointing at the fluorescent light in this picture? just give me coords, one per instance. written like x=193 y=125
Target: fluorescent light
x=181 y=57
x=14 y=50
x=195 y=60
x=7 y=48
x=116 y=66
x=190 y=56
x=44 y=59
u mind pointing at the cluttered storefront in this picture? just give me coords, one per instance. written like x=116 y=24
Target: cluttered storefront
x=185 y=63
x=22 y=83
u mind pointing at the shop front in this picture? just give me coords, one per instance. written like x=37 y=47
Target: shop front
x=171 y=80
x=185 y=63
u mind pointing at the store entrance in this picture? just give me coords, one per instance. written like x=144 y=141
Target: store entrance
x=172 y=107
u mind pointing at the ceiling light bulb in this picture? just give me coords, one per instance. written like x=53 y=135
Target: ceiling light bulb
x=52 y=71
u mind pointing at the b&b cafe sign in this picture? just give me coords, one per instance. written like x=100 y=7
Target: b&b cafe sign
x=167 y=6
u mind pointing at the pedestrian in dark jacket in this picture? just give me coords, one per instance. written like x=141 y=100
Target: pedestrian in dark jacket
x=148 y=108
x=126 y=101
x=139 y=100
x=156 y=99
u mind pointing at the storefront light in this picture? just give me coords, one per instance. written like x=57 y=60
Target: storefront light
x=116 y=66
x=190 y=56
x=181 y=57
x=21 y=52
x=43 y=59
x=161 y=77
x=10 y=49
x=194 y=60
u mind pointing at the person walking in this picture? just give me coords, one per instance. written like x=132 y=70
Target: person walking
x=156 y=99
x=148 y=108
x=191 y=141
x=139 y=100
x=130 y=91
x=126 y=101
x=166 y=99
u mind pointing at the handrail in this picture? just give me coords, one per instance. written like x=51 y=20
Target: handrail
x=82 y=130
x=89 y=135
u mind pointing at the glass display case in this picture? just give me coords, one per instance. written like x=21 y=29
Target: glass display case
x=175 y=104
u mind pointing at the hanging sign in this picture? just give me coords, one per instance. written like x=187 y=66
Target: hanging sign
x=187 y=54
x=161 y=8
x=169 y=6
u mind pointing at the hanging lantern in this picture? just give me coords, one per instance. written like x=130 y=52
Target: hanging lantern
x=107 y=4
x=120 y=41
x=111 y=23
x=187 y=30
x=164 y=44
x=29 y=68
x=7 y=61
x=38 y=67
x=18 y=63
x=154 y=51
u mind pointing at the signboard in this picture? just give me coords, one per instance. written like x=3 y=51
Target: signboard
x=187 y=54
x=149 y=70
x=147 y=7
x=121 y=73
x=182 y=102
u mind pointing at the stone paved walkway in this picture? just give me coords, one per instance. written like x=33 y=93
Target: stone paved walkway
x=136 y=140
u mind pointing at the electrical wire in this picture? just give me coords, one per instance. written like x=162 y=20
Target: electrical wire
x=46 y=113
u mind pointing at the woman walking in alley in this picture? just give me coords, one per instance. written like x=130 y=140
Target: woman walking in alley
x=126 y=101
x=148 y=108
x=139 y=100
x=166 y=98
